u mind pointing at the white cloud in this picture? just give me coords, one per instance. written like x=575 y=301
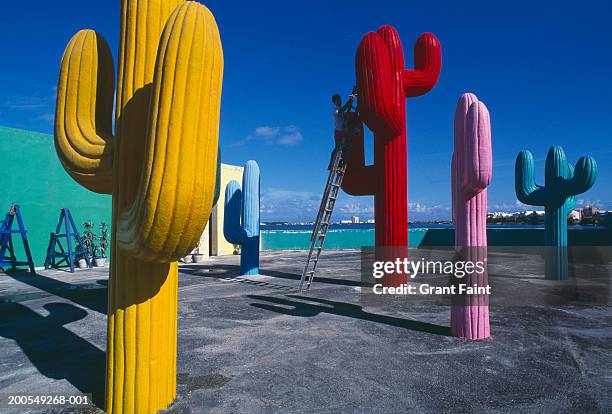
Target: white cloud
x=274 y=135
x=595 y=203
x=282 y=204
x=420 y=208
x=508 y=207
x=267 y=131
x=290 y=135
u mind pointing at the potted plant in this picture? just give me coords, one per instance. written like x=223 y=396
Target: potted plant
x=197 y=256
x=88 y=237
x=100 y=251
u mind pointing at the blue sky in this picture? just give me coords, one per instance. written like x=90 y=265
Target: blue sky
x=543 y=69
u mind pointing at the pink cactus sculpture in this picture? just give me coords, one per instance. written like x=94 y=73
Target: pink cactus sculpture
x=471 y=174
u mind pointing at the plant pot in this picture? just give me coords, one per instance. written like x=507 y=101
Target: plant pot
x=100 y=261
x=188 y=259
x=198 y=258
x=82 y=263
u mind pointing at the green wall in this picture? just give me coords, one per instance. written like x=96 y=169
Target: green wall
x=33 y=177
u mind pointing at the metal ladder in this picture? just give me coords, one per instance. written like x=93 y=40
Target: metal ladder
x=70 y=253
x=330 y=195
x=334 y=181
x=6 y=241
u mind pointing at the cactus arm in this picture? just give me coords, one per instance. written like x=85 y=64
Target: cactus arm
x=584 y=176
x=375 y=81
x=570 y=201
x=527 y=191
x=359 y=178
x=84 y=110
x=478 y=161
x=170 y=212
x=427 y=66
x=232 y=215
x=251 y=200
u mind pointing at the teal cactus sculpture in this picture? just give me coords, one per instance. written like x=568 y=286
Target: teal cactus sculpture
x=241 y=220
x=558 y=196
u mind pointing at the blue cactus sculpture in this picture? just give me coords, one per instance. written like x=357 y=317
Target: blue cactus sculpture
x=241 y=220
x=558 y=196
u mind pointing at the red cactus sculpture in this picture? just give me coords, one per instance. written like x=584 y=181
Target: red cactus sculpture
x=384 y=84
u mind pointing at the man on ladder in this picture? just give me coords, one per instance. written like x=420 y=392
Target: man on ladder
x=346 y=120
x=342 y=123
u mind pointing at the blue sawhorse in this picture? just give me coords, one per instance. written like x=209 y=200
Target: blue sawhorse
x=69 y=254
x=6 y=240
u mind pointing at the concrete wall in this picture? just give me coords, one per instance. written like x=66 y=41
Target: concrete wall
x=517 y=237
x=218 y=245
x=204 y=246
x=33 y=177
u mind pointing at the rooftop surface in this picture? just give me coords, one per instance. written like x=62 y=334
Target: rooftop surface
x=253 y=345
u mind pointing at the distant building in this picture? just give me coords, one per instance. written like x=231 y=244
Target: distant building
x=500 y=214
x=535 y=213
x=355 y=220
x=370 y=221
x=576 y=215
x=346 y=221
x=589 y=211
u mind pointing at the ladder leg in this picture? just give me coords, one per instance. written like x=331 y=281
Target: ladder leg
x=50 y=252
x=24 y=237
x=71 y=256
x=26 y=246
x=11 y=250
x=3 y=250
x=77 y=236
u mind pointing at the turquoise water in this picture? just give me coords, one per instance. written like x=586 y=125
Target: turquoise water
x=355 y=236
x=344 y=236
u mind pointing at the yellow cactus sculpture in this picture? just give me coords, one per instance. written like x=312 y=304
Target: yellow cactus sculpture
x=160 y=167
